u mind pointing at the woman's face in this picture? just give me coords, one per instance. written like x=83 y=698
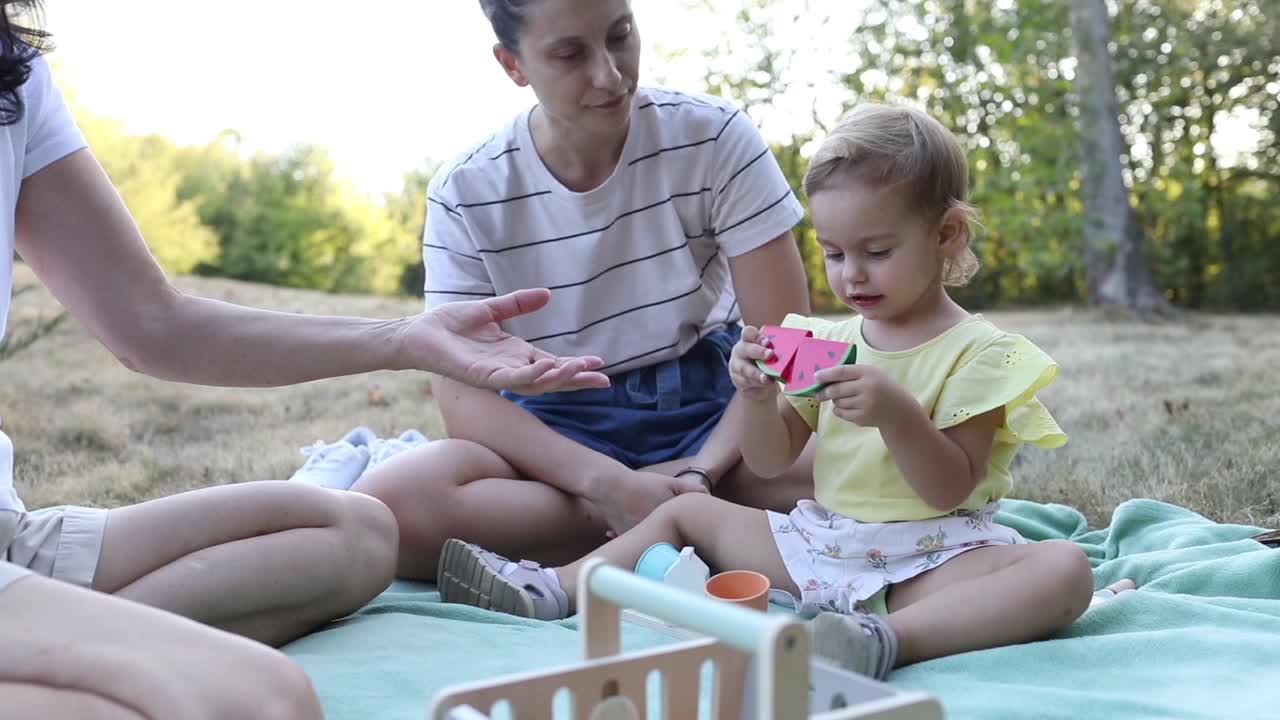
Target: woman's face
x=582 y=59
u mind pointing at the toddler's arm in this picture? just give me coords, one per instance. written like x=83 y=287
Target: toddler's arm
x=942 y=466
x=772 y=433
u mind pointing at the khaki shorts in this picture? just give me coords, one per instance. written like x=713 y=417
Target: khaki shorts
x=63 y=544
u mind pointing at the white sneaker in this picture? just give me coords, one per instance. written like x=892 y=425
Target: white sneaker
x=413 y=437
x=381 y=449
x=337 y=465
x=360 y=435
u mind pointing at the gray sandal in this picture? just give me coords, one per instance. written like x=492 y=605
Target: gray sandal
x=862 y=642
x=470 y=575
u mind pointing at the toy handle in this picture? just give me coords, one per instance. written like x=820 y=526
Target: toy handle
x=604 y=590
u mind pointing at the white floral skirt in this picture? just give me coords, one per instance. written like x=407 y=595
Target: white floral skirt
x=838 y=563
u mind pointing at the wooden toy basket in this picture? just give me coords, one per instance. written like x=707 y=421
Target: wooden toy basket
x=760 y=668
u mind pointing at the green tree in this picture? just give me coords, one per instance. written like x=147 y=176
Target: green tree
x=147 y=174
x=407 y=212
x=1189 y=75
x=286 y=219
x=1001 y=74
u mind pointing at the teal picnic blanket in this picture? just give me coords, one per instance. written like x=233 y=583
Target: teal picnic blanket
x=1199 y=639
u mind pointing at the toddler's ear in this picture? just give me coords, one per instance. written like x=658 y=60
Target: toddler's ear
x=953 y=231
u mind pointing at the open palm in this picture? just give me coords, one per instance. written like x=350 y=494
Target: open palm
x=465 y=341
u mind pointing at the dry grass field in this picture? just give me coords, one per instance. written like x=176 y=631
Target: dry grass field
x=1187 y=412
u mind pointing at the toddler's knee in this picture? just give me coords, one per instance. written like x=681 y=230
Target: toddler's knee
x=1070 y=567
x=1070 y=560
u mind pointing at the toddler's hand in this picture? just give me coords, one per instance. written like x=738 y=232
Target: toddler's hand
x=746 y=375
x=864 y=394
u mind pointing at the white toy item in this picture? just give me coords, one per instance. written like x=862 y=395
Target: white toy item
x=762 y=667
x=688 y=572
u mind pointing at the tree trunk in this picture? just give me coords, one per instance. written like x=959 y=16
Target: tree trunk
x=1117 y=271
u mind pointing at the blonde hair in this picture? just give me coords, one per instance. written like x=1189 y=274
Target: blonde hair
x=891 y=145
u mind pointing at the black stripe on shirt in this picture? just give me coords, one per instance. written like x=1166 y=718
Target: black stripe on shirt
x=701 y=274
x=444 y=205
x=451 y=250
x=454 y=209
x=660 y=253
x=660 y=203
x=466 y=160
x=653 y=351
x=703 y=271
x=611 y=268
x=685 y=146
x=459 y=292
x=616 y=315
x=693 y=102
x=691 y=98
x=742 y=170
x=637 y=357
x=503 y=201
x=470 y=157
x=729 y=315
x=752 y=216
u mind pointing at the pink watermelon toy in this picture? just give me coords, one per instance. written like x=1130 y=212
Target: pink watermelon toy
x=815 y=354
x=784 y=341
x=798 y=356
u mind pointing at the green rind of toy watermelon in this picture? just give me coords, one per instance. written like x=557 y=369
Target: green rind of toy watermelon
x=814 y=355
x=784 y=341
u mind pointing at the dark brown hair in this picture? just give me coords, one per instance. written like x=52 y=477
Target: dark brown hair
x=508 y=20
x=19 y=45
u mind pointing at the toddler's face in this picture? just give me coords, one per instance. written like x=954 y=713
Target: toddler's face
x=883 y=255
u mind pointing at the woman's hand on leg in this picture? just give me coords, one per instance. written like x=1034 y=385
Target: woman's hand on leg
x=629 y=496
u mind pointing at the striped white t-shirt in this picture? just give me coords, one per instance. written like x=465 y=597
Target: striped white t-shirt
x=638 y=266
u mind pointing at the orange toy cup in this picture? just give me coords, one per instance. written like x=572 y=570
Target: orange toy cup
x=741 y=587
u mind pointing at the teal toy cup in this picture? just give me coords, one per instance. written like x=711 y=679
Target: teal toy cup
x=657 y=560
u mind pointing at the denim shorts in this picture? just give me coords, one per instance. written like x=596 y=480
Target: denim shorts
x=651 y=414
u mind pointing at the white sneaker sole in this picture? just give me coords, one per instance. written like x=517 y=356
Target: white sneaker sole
x=464 y=577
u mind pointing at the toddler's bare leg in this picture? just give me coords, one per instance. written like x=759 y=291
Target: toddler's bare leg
x=990 y=597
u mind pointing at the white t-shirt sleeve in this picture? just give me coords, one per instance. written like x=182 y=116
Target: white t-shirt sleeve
x=52 y=133
x=752 y=201
x=454 y=268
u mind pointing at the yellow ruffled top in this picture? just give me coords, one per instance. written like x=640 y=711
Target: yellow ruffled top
x=968 y=370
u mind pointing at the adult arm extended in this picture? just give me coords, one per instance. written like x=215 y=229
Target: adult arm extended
x=73 y=229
